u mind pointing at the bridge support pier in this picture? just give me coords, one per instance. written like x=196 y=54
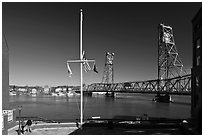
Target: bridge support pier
x=166 y=98
x=88 y=94
x=110 y=94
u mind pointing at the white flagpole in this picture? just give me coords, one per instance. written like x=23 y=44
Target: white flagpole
x=81 y=61
x=81 y=66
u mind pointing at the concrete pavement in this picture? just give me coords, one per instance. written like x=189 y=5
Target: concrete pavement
x=47 y=129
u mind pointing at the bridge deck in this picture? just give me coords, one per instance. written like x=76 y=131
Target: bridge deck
x=146 y=92
x=174 y=86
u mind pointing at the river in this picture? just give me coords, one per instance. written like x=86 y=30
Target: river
x=68 y=108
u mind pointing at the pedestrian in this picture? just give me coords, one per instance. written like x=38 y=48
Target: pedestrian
x=77 y=123
x=22 y=126
x=28 y=124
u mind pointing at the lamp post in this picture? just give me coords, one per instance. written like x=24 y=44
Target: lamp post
x=19 y=128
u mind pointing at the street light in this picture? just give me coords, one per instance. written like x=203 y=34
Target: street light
x=19 y=128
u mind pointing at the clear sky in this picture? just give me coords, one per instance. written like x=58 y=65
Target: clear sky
x=43 y=36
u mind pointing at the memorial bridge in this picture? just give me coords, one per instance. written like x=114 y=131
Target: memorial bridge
x=172 y=77
x=176 y=86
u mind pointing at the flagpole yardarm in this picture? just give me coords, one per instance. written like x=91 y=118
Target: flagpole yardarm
x=80 y=61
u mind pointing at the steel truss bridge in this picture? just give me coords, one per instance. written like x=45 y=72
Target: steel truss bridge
x=172 y=77
x=173 y=86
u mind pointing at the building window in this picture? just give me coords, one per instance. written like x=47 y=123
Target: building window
x=198 y=61
x=196 y=27
x=197 y=82
x=198 y=44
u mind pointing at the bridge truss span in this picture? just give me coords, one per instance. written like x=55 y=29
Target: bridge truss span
x=172 y=77
x=176 y=85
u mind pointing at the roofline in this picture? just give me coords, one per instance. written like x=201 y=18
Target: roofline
x=197 y=14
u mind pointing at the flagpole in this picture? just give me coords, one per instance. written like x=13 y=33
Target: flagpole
x=82 y=61
x=81 y=66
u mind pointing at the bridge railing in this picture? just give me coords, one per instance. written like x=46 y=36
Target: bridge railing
x=177 y=85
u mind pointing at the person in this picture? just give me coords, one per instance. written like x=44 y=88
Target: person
x=77 y=124
x=22 y=126
x=28 y=124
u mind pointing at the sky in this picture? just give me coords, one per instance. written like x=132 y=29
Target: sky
x=42 y=36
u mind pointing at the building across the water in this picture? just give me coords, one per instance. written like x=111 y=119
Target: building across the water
x=196 y=98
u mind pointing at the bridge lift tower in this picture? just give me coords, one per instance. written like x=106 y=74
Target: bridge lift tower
x=107 y=79
x=169 y=63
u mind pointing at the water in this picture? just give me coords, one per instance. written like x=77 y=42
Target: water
x=68 y=108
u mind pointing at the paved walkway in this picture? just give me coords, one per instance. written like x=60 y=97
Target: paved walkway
x=47 y=129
